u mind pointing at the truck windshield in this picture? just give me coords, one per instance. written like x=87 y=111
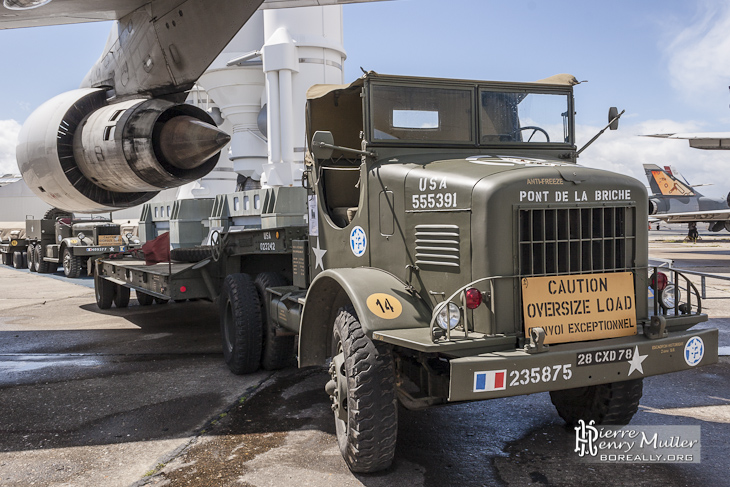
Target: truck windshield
x=423 y=114
x=523 y=117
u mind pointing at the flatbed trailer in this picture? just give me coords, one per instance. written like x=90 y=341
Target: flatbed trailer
x=200 y=279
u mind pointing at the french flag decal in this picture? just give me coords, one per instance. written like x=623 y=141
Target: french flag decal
x=491 y=380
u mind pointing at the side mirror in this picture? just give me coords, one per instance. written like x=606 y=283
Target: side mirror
x=612 y=114
x=322 y=143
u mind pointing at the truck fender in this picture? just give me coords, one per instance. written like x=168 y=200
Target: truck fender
x=367 y=289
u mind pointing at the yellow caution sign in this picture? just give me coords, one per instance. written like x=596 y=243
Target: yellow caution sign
x=580 y=307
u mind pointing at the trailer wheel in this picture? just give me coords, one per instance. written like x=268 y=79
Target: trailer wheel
x=5 y=257
x=278 y=351
x=161 y=300
x=25 y=260
x=121 y=296
x=362 y=391
x=71 y=264
x=31 y=259
x=17 y=260
x=608 y=404
x=41 y=266
x=104 y=291
x=144 y=299
x=240 y=318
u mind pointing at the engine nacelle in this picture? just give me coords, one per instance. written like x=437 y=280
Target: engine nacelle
x=653 y=206
x=78 y=153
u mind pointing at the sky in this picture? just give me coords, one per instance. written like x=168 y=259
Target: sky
x=667 y=63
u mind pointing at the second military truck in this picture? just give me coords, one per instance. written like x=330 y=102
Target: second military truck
x=61 y=239
x=452 y=251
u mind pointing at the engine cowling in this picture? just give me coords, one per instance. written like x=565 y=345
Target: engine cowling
x=79 y=153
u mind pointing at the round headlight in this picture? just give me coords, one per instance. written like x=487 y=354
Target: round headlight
x=81 y=236
x=449 y=316
x=667 y=298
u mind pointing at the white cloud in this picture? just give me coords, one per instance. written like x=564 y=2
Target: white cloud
x=699 y=56
x=623 y=151
x=9 y=130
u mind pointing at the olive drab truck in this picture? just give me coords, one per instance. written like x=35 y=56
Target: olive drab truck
x=452 y=251
x=59 y=238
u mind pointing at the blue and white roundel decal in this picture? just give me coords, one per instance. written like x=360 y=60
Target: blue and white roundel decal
x=358 y=241
x=694 y=350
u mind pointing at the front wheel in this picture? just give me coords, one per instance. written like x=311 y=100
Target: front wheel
x=71 y=264
x=240 y=319
x=362 y=391
x=608 y=404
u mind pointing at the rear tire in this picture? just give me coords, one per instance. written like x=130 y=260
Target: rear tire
x=161 y=300
x=367 y=440
x=104 y=291
x=278 y=351
x=25 y=260
x=17 y=259
x=31 y=258
x=71 y=264
x=144 y=299
x=121 y=296
x=607 y=404
x=5 y=257
x=41 y=266
x=240 y=319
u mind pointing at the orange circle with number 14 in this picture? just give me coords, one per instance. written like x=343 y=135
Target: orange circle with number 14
x=384 y=306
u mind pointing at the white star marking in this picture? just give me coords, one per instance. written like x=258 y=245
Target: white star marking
x=318 y=254
x=635 y=362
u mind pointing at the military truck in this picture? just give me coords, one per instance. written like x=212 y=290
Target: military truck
x=12 y=247
x=454 y=251
x=61 y=239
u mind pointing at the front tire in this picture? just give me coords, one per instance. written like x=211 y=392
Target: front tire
x=240 y=319
x=278 y=351
x=367 y=437
x=607 y=404
x=71 y=264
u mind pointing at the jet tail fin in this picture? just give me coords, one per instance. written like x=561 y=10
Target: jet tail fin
x=664 y=183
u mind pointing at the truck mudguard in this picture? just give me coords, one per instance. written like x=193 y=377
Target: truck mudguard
x=381 y=301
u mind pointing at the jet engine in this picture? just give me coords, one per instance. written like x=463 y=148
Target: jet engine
x=79 y=153
x=653 y=206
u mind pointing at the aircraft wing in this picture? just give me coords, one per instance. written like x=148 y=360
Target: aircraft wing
x=694 y=216
x=34 y=13
x=704 y=140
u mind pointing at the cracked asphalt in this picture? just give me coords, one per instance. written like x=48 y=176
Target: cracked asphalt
x=142 y=397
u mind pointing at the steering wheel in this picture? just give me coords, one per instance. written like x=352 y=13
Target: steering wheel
x=534 y=129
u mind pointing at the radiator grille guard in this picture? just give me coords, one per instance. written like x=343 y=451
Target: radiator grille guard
x=554 y=241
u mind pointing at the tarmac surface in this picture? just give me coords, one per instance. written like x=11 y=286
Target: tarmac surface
x=142 y=397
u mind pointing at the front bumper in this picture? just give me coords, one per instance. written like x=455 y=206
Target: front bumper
x=570 y=365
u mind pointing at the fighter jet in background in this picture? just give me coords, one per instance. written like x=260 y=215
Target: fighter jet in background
x=674 y=200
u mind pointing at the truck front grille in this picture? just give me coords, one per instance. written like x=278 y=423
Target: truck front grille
x=576 y=240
